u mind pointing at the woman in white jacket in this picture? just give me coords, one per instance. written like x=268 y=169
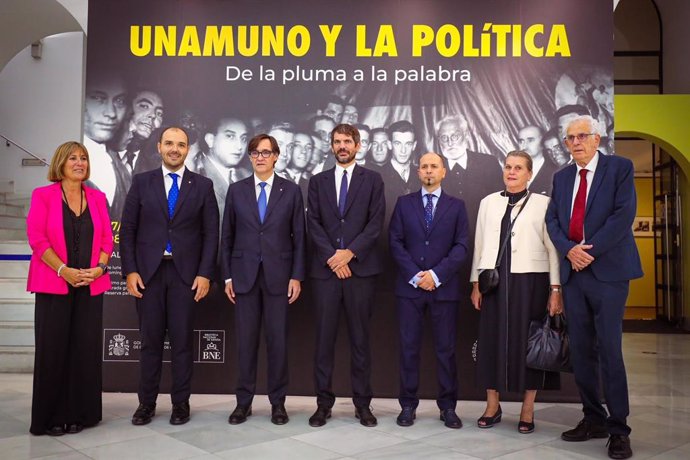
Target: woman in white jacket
x=529 y=284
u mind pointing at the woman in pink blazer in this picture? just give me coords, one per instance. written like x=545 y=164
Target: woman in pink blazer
x=71 y=238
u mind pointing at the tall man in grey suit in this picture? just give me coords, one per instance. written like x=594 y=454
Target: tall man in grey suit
x=168 y=245
x=428 y=240
x=589 y=220
x=262 y=258
x=345 y=215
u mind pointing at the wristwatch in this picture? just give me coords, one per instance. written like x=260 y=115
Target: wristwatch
x=103 y=267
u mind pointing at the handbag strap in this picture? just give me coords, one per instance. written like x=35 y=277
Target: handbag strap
x=510 y=227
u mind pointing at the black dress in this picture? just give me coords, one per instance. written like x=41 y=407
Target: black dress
x=67 y=368
x=504 y=322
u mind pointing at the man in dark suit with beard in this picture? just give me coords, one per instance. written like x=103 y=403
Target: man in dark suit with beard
x=168 y=244
x=345 y=216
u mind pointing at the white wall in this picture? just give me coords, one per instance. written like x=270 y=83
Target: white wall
x=40 y=105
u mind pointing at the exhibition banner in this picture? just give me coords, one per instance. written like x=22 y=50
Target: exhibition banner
x=469 y=80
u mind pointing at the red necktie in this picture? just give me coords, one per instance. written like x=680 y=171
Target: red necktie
x=576 y=232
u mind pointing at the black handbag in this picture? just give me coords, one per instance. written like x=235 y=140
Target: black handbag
x=548 y=346
x=489 y=278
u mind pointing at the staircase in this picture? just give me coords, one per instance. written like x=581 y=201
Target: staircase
x=16 y=305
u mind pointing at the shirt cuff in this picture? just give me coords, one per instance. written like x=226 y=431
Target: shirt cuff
x=437 y=283
x=414 y=281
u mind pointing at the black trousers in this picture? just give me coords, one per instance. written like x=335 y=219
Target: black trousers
x=595 y=324
x=355 y=297
x=167 y=305
x=67 y=366
x=253 y=309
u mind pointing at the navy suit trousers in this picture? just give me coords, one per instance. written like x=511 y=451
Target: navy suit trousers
x=595 y=324
x=167 y=305
x=443 y=323
x=253 y=309
x=354 y=295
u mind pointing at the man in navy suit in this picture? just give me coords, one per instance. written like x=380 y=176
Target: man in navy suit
x=168 y=245
x=428 y=240
x=262 y=258
x=589 y=220
x=346 y=207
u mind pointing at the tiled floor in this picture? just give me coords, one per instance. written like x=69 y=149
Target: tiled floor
x=659 y=378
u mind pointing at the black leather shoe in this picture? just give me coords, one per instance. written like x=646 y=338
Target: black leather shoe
x=583 y=431
x=320 y=416
x=486 y=421
x=451 y=419
x=57 y=430
x=619 y=446
x=143 y=414
x=279 y=415
x=407 y=416
x=366 y=418
x=180 y=413
x=74 y=428
x=526 y=427
x=239 y=415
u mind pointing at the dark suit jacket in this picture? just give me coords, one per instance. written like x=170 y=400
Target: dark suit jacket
x=482 y=177
x=442 y=249
x=360 y=227
x=394 y=183
x=542 y=182
x=279 y=242
x=193 y=229
x=609 y=215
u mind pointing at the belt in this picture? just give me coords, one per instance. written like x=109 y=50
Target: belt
x=167 y=257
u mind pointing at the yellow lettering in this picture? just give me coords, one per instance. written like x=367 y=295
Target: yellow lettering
x=422 y=36
x=448 y=40
x=219 y=42
x=558 y=42
x=385 y=42
x=517 y=40
x=189 y=44
x=164 y=39
x=470 y=50
x=298 y=34
x=330 y=36
x=273 y=41
x=362 y=50
x=140 y=45
x=248 y=45
x=530 y=37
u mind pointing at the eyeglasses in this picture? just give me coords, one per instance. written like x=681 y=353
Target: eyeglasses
x=263 y=153
x=445 y=139
x=570 y=138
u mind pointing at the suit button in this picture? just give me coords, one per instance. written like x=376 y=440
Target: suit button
x=261 y=233
x=426 y=243
x=337 y=240
x=421 y=258
x=342 y=220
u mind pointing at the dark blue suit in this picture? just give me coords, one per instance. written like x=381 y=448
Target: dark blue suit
x=358 y=230
x=168 y=300
x=595 y=297
x=261 y=258
x=443 y=249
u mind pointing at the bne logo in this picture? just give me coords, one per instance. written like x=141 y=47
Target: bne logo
x=211 y=352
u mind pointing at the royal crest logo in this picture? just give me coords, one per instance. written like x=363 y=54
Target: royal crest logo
x=118 y=346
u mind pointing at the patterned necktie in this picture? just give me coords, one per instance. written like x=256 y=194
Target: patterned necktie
x=129 y=160
x=576 y=232
x=232 y=176
x=429 y=210
x=343 y=193
x=262 y=202
x=172 y=200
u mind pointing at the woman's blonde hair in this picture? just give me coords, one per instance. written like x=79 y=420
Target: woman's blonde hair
x=60 y=157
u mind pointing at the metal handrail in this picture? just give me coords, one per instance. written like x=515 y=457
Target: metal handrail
x=9 y=141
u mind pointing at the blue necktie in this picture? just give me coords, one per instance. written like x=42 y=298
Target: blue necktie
x=343 y=193
x=262 y=202
x=429 y=210
x=172 y=199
